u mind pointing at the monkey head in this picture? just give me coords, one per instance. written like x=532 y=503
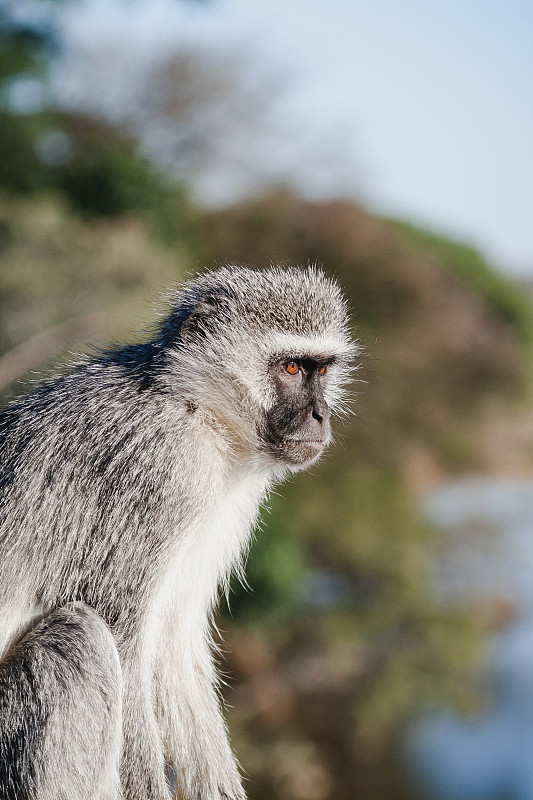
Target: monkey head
x=264 y=355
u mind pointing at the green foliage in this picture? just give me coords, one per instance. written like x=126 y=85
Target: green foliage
x=275 y=574
x=105 y=175
x=97 y=167
x=20 y=169
x=24 y=47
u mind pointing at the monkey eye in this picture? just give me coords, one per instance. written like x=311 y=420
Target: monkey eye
x=323 y=369
x=292 y=367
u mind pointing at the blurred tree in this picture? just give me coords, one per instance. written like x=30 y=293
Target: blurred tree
x=93 y=162
x=26 y=47
x=27 y=41
x=210 y=120
x=202 y=116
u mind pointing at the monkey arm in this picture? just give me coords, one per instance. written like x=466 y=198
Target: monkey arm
x=195 y=736
x=142 y=763
x=60 y=710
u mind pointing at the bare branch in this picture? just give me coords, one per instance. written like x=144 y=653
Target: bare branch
x=42 y=347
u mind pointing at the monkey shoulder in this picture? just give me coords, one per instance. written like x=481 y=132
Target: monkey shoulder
x=98 y=400
x=93 y=434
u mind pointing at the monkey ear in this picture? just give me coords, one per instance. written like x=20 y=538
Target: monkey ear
x=198 y=320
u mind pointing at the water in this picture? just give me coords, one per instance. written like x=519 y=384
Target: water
x=488 y=553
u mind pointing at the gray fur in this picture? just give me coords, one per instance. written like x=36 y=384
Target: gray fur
x=128 y=491
x=60 y=692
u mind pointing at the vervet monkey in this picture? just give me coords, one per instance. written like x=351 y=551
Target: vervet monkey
x=128 y=491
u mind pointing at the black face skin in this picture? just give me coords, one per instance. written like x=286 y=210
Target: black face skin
x=298 y=425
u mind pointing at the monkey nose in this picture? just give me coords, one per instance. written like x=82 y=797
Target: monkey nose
x=319 y=418
x=320 y=411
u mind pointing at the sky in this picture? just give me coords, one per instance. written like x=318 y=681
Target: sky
x=427 y=106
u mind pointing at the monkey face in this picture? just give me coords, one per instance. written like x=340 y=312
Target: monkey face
x=298 y=424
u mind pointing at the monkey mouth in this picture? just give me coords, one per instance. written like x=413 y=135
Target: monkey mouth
x=319 y=442
x=301 y=452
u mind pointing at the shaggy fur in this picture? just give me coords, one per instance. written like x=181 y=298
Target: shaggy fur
x=128 y=491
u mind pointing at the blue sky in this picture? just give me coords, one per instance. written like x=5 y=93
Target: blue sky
x=432 y=102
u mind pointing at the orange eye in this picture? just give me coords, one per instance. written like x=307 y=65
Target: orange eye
x=292 y=367
x=323 y=369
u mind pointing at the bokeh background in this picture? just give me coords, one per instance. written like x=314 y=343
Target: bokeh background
x=384 y=647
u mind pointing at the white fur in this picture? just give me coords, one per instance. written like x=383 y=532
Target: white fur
x=185 y=677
